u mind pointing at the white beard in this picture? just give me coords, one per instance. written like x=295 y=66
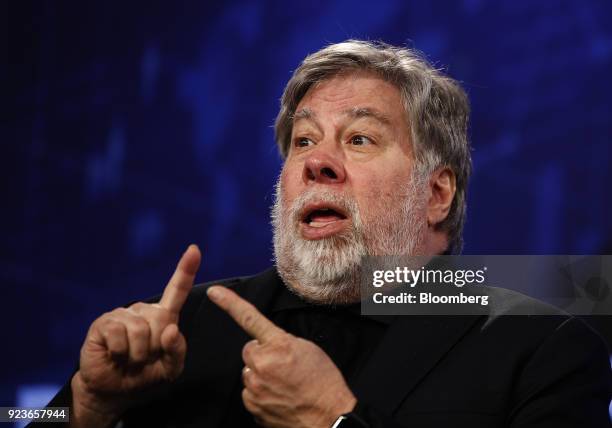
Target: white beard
x=330 y=270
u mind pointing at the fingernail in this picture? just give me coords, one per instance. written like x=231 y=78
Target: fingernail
x=214 y=292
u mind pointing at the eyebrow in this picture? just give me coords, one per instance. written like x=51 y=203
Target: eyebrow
x=359 y=112
x=304 y=113
x=354 y=112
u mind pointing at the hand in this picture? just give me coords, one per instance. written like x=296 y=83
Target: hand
x=127 y=350
x=288 y=381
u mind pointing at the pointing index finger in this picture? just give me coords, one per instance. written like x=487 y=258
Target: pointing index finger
x=181 y=282
x=244 y=313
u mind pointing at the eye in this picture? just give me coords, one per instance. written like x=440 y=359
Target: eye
x=303 y=142
x=360 y=140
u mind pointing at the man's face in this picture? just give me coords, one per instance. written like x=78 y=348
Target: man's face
x=346 y=190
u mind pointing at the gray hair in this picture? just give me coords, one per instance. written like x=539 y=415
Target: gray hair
x=436 y=106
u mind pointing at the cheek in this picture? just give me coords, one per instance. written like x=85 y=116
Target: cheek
x=370 y=195
x=373 y=184
x=378 y=193
x=290 y=180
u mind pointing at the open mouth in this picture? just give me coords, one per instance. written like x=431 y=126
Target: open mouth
x=322 y=219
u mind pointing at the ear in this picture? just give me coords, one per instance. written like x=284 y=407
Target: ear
x=443 y=185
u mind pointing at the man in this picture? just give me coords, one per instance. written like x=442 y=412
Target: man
x=376 y=163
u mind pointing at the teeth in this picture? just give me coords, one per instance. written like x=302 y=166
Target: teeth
x=320 y=223
x=317 y=224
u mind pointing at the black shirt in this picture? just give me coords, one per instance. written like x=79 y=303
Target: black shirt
x=341 y=331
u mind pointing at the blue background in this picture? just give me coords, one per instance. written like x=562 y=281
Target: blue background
x=133 y=130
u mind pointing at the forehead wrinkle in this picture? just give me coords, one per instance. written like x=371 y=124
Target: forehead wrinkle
x=359 y=112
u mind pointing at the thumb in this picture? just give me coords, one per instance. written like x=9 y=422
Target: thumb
x=174 y=348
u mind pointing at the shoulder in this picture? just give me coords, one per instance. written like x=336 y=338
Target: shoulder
x=520 y=318
x=524 y=316
x=566 y=370
x=525 y=336
x=548 y=347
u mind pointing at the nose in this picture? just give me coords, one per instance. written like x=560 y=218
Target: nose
x=322 y=167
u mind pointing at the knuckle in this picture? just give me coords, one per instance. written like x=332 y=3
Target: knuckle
x=284 y=343
x=138 y=305
x=282 y=353
x=119 y=312
x=139 y=309
x=114 y=328
x=254 y=385
x=258 y=366
x=100 y=322
x=104 y=322
x=106 y=317
x=140 y=327
x=248 y=320
x=116 y=315
x=248 y=349
x=268 y=366
x=247 y=399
